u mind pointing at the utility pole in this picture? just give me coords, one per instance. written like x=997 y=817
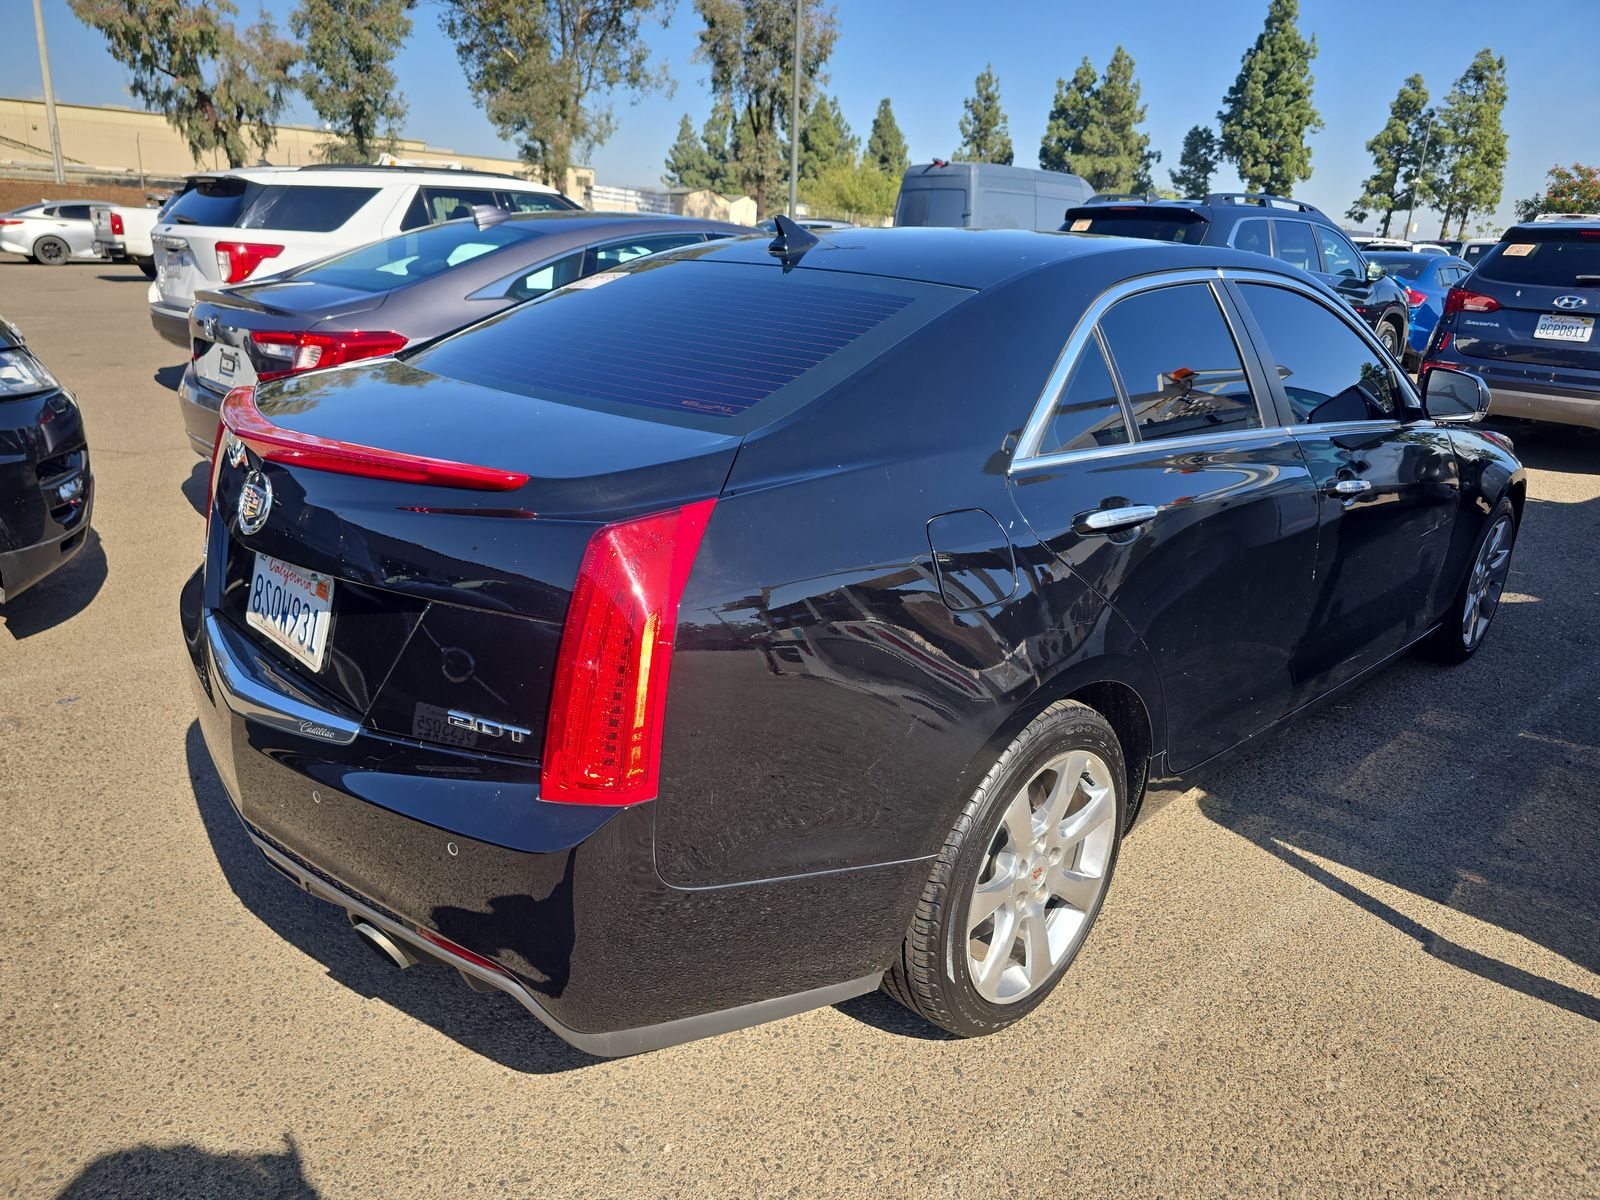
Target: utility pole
x=794 y=111
x=49 y=95
x=1416 y=184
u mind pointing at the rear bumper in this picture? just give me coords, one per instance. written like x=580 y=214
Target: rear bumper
x=1558 y=407
x=573 y=919
x=172 y=324
x=201 y=409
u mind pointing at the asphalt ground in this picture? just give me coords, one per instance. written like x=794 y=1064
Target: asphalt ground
x=1362 y=961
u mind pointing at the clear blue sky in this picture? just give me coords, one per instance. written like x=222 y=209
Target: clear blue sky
x=924 y=54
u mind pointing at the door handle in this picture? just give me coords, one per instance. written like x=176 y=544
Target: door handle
x=1348 y=487
x=1112 y=520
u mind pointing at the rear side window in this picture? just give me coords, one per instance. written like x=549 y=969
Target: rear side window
x=534 y=202
x=74 y=212
x=702 y=343
x=451 y=204
x=547 y=277
x=1545 y=259
x=315 y=209
x=412 y=256
x=1328 y=371
x=618 y=253
x=943 y=207
x=212 y=202
x=1296 y=246
x=1252 y=236
x=1087 y=413
x=1179 y=365
x=1176 y=226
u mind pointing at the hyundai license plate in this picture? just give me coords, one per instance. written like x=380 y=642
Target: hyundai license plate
x=1558 y=327
x=293 y=607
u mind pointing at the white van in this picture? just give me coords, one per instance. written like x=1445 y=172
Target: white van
x=228 y=226
x=967 y=195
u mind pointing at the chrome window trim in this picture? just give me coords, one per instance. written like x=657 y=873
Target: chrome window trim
x=1026 y=456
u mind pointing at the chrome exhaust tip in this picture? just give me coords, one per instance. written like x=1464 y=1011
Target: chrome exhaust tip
x=396 y=954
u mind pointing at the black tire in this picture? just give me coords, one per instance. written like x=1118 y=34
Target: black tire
x=147 y=267
x=931 y=976
x=1390 y=337
x=52 y=251
x=1451 y=643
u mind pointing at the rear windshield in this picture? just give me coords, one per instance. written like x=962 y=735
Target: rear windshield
x=419 y=255
x=305 y=209
x=1541 y=258
x=697 y=343
x=211 y=202
x=1408 y=267
x=942 y=207
x=1177 y=226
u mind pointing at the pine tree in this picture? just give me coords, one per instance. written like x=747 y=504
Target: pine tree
x=1472 y=165
x=1115 y=150
x=689 y=164
x=1144 y=180
x=349 y=46
x=1197 y=163
x=1395 y=150
x=825 y=139
x=715 y=136
x=886 y=147
x=1268 y=112
x=984 y=133
x=1070 y=116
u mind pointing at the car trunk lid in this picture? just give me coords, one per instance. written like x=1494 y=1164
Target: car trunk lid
x=1545 y=287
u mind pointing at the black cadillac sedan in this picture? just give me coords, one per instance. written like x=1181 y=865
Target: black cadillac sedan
x=762 y=624
x=46 y=490
x=376 y=299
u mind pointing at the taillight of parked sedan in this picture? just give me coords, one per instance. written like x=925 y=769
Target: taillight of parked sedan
x=309 y=351
x=603 y=741
x=236 y=261
x=1459 y=299
x=1415 y=298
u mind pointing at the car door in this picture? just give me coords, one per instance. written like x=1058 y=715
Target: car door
x=1152 y=470
x=1387 y=480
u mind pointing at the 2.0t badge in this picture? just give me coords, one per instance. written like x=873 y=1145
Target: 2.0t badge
x=255 y=502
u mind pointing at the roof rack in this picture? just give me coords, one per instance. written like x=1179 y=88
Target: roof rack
x=409 y=170
x=1262 y=200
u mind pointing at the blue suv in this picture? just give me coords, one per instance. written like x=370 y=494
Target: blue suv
x=1525 y=321
x=1290 y=230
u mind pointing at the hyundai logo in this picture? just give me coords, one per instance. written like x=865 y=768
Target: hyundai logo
x=1569 y=302
x=255 y=502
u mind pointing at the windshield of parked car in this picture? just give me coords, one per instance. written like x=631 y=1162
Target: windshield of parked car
x=1175 y=225
x=420 y=254
x=1545 y=258
x=714 y=345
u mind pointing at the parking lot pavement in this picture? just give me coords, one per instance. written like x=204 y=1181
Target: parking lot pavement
x=1361 y=961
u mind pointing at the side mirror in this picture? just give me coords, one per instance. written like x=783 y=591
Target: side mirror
x=1374 y=272
x=1455 y=397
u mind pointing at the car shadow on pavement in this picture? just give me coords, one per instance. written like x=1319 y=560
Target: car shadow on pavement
x=1431 y=793
x=163 y=1172
x=196 y=488
x=136 y=276
x=489 y=1024
x=169 y=377
x=59 y=597
x=1545 y=447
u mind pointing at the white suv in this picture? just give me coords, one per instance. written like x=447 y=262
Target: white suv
x=224 y=226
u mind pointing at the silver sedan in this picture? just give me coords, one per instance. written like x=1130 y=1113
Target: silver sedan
x=52 y=232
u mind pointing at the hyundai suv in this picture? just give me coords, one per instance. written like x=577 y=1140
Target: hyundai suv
x=1291 y=230
x=1525 y=321
x=226 y=226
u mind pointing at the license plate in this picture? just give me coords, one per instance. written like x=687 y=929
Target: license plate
x=1558 y=327
x=293 y=607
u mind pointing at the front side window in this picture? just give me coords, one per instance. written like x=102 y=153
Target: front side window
x=1087 y=413
x=1329 y=372
x=615 y=255
x=1179 y=364
x=1339 y=255
x=74 y=212
x=1296 y=246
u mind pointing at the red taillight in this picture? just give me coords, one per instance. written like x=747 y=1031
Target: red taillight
x=309 y=351
x=10 y=221
x=116 y=222
x=1458 y=299
x=457 y=951
x=288 y=446
x=1414 y=297
x=237 y=260
x=603 y=741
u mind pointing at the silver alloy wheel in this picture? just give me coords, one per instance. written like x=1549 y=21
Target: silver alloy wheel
x=1386 y=335
x=1487 y=582
x=1042 y=876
